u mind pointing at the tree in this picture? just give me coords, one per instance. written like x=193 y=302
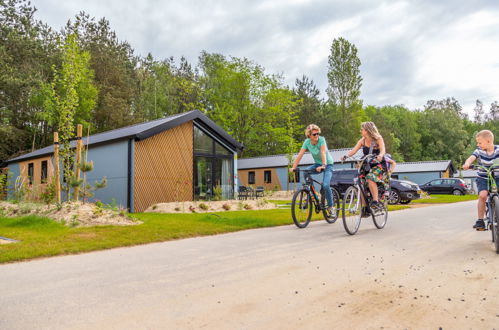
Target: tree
x=114 y=65
x=344 y=109
x=71 y=90
x=253 y=107
x=27 y=51
x=443 y=135
x=478 y=112
x=308 y=102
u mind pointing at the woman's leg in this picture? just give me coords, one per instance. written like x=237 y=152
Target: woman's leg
x=326 y=182
x=373 y=188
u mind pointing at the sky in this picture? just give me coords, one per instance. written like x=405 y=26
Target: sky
x=411 y=51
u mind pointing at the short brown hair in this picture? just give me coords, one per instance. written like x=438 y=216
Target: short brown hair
x=310 y=128
x=485 y=134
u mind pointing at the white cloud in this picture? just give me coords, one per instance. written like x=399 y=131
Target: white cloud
x=411 y=51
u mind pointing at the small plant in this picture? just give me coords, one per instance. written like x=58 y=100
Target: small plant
x=177 y=209
x=74 y=221
x=262 y=202
x=240 y=205
x=25 y=209
x=247 y=207
x=192 y=209
x=203 y=206
x=48 y=194
x=226 y=207
x=217 y=193
x=155 y=206
x=98 y=203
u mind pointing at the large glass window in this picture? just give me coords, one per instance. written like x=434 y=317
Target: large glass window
x=202 y=142
x=213 y=168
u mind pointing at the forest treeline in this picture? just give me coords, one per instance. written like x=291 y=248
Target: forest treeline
x=84 y=74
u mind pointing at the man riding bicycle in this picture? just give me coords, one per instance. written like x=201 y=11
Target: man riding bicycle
x=486 y=153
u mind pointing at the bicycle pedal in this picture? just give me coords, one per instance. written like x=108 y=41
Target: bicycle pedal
x=481 y=229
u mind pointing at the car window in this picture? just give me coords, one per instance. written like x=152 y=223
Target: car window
x=435 y=182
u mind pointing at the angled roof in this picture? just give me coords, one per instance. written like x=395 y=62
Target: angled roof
x=143 y=131
x=282 y=160
x=425 y=166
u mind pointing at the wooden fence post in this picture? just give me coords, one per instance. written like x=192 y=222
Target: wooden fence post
x=56 y=168
x=79 y=142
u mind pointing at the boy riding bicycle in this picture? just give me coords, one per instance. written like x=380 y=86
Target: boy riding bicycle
x=486 y=153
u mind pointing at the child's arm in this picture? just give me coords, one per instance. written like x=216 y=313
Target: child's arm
x=468 y=162
x=392 y=167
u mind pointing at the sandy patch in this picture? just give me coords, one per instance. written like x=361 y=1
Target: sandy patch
x=75 y=214
x=5 y=241
x=212 y=206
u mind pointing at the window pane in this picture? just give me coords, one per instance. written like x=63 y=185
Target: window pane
x=44 y=172
x=31 y=172
x=220 y=150
x=267 y=177
x=251 y=177
x=202 y=142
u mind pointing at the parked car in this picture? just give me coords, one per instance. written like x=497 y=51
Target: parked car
x=401 y=191
x=454 y=186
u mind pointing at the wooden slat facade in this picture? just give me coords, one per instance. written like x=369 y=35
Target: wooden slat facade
x=163 y=170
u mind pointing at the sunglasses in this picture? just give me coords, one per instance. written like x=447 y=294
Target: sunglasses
x=315 y=134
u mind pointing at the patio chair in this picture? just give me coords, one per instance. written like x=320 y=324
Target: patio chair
x=242 y=192
x=259 y=191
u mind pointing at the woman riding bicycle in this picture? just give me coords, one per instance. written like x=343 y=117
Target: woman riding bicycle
x=317 y=146
x=372 y=143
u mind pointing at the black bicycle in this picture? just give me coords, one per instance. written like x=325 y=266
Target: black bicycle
x=492 y=203
x=306 y=198
x=355 y=195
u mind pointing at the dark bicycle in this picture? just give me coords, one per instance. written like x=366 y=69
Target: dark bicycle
x=492 y=203
x=358 y=196
x=306 y=198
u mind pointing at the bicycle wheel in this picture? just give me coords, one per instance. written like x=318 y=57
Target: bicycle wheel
x=380 y=216
x=331 y=217
x=352 y=208
x=301 y=208
x=495 y=223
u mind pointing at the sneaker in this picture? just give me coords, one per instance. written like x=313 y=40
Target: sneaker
x=376 y=205
x=331 y=210
x=479 y=225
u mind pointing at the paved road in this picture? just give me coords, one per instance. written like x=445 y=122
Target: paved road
x=426 y=269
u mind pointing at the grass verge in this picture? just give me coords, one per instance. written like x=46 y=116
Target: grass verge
x=438 y=199
x=43 y=237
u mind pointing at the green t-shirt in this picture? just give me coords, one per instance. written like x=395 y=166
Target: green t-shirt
x=315 y=150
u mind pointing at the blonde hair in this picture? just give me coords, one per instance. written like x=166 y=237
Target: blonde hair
x=371 y=129
x=485 y=134
x=310 y=128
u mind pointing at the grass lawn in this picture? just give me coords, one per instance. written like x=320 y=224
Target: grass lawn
x=437 y=199
x=42 y=237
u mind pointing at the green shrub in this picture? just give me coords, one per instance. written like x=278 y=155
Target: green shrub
x=203 y=206
x=226 y=207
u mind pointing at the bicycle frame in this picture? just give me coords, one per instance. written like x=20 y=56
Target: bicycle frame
x=492 y=192
x=357 y=182
x=309 y=187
